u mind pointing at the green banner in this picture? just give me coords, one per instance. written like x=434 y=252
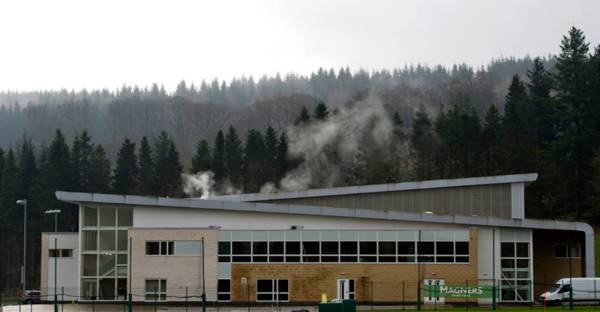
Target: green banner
x=458 y=291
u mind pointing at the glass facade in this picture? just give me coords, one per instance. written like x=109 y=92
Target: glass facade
x=104 y=257
x=515 y=267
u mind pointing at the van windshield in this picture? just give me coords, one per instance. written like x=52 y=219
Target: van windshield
x=554 y=288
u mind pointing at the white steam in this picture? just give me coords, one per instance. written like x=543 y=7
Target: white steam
x=322 y=145
x=199 y=184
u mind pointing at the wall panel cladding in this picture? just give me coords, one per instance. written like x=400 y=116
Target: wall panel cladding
x=483 y=200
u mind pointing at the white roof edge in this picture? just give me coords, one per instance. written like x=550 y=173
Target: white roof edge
x=378 y=188
x=76 y=198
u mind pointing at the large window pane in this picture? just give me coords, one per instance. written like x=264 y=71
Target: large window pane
x=106 y=289
x=107 y=265
x=444 y=248
x=90 y=266
x=90 y=216
x=348 y=248
x=107 y=240
x=425 y=248
x=292 y=248
x=507 y=249
x=462 y=248
x=368 y=248
x=329 y=248
x=224 y=248
x=108 y=216
x=241 y=248
x=406 y=248
x=310 y=248
x=387 y=248
x=125 y=216
x=152 y=248
x=89 y=240
x=122 y=240
x=276 y=248
x=523 y=250
x=188 y=248
x=88 y=289
x=259 y=248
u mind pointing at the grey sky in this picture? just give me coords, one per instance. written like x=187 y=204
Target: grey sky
x=106 y=43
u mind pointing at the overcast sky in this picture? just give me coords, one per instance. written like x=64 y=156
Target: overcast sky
x=106 y=43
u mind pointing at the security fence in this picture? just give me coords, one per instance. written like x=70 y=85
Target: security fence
x=284 y=295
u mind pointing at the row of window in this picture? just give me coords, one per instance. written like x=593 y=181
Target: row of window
x=267 y=290
x=60 y=253
x=344 y=251
x=567 y=251
x=174 y=248
x=156 y=289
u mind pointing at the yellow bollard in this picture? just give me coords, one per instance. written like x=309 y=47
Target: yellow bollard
x=324 y=297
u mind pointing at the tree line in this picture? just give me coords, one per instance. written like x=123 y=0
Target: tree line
x=549 y=122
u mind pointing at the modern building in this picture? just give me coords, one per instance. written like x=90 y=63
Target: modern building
x=371 y=242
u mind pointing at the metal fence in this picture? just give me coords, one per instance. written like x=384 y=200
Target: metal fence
x=430 y=294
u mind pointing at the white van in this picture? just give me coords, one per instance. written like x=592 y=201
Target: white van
x=584 y=289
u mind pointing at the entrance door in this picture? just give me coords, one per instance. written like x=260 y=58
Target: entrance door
x=345 y=289
x=431 y=294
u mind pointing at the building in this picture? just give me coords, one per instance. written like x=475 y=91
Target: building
x=370 y=242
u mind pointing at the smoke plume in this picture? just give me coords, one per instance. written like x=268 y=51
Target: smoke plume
x=324 y=145
x=200 y=184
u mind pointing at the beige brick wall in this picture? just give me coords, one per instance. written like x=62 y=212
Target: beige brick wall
x=179 y=271
x=384 y=281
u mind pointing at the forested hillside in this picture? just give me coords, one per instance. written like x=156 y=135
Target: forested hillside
x=330 y=129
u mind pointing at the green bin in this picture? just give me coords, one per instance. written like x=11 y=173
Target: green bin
x=338 y=306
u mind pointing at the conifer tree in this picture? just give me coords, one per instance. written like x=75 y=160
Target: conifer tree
x=99 y=171
x=28 y=169
x=491 y=138
x=519 y=136
x=303 y=118
x=146 y=179
x=423 y=146
x=218 y=160
x=126 y=170
x=167 y=173
x=2 y=161
x=202 y=159
x=271 y=155
x=321 y=111
x=233 y=157
x=254 y=161
x=81 y=152
x=281 y=157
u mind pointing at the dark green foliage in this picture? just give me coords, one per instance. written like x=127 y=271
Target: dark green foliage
x=167 y=168
x=491 y=140
x=423 y=146
x=28 y=169
x=282 y=157
x=270 y=168
x=201 y=161
x=81 y=152
x=145 y=182
x=255 y=162
x=126 y=170
x=303 y=118
x=321 y=112
x=218 y=161
x=233 y=157
x=99 y=171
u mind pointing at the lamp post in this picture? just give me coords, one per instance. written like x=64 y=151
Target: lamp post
x=23 y=202
x=55 y=212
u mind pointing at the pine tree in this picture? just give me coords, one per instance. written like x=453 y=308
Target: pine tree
x=254 y=162
x=218 y=160
x=542 y=105
x=519 y=135
x=491 y=142
x=99 y=171
x=271 y=155
x=81 y=151
x=321 y=112
x=281 y=157
x=59 y=163
x=202 y=159
x=146 y=179
x=28 y=169
x=9 y=188
x=126 y=170
x=167 y=171
x=303 y=118
x=574 y=149
x=233 y=157
x=423 y=146
x=2 y=161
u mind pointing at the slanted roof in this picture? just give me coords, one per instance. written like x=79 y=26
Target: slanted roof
x=380 y=188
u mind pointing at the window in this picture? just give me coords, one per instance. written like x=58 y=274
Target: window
x=224 y=290
x=162 y=248
x=567 y=251
x=343 y=246
x=60 y=253
x=272 y=290
x=515 y=263
x=187 y=248
x=156 y=289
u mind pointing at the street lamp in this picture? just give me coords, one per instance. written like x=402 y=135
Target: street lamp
x=55 y=212
x=23 y=202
